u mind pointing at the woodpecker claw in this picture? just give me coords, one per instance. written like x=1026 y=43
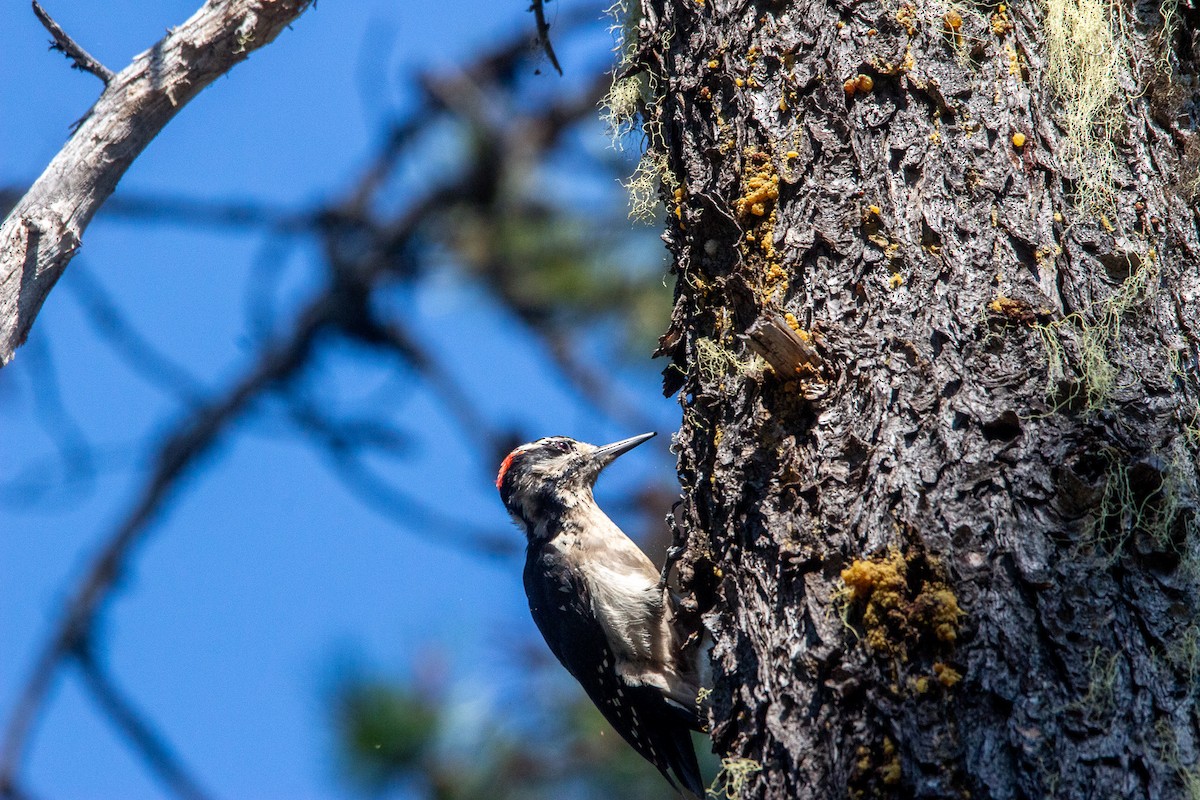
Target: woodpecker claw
x=674 y=553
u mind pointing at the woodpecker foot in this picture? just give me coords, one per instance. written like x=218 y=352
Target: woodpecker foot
x=674 y=553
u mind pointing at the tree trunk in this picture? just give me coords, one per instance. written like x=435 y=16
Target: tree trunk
x=945 y=534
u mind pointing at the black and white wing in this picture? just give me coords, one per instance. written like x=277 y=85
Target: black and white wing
x=562 y=609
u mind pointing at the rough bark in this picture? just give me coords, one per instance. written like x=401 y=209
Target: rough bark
x=45 y=228
x=957 y=557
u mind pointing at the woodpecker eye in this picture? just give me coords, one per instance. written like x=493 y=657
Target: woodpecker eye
x=560 y=446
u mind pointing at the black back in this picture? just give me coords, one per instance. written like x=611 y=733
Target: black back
x=562 y=610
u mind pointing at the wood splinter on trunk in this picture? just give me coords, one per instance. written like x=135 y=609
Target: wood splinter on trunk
x=790 y=353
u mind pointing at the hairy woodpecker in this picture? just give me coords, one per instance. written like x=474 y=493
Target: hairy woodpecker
x=599 y=601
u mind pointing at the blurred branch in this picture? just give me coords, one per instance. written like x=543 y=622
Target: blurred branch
x=345 y=434
x=458 y=405
x=594 y=388
x=74 y=450
x=28 y=486
x=179 y=452
x=168 y=209
x=399 y=137
x=410 y=513
x=136 y=350
x=198 y=213
x=154 y=749
x=41 y=234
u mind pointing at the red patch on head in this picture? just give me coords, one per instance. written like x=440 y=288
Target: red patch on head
x=504 y=465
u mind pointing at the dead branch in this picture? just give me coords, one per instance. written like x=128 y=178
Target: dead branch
x=787 y=350
x=43 y=231
x=790 y=352
x=63 y=43
x=543 y=32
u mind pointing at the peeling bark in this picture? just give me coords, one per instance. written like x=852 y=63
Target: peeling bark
x=968 y=568
x=43 y=231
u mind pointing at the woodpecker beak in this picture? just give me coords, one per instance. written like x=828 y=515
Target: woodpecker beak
x=603 y=456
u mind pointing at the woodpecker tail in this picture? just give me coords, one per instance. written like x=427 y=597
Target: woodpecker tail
x=661 y=733
x=675 y=745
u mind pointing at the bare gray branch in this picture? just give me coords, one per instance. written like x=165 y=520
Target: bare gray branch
x=42 y=233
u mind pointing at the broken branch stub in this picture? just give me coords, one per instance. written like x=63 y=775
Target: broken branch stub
x=791 y=354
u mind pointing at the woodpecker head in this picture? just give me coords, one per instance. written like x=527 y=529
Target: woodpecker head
x=542 y=481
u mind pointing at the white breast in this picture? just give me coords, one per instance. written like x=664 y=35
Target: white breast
x=626 y=598
x=628 y=606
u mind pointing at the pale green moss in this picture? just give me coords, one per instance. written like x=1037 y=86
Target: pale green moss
x=731 y=781
x=1086 y=60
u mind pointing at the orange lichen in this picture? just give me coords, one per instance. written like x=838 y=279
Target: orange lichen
x=864 y=577
x=880 y=585
x=864 y=83
x=773 y=278
x=938 y=609
x=897 y=614
x=756 y=208
x=1014 y=60
x=1000 y=23
x=864 y=758
x=947 y=675
x=889 y=771
x=762 y=190
x=794 y=324
x=1018 y=139
x=1013 y=309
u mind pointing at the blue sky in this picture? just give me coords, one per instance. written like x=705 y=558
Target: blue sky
x=264 y=573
